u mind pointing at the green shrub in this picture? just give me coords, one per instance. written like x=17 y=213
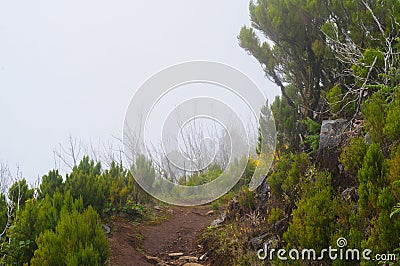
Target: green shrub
x=275 y=215
x=77 y=240
x=352 y=156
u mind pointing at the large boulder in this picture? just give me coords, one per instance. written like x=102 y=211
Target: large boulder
x=333 y=134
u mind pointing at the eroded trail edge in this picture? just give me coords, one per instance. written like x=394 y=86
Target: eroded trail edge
x=166 y=242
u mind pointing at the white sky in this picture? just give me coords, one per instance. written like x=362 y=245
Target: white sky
x=71 y=67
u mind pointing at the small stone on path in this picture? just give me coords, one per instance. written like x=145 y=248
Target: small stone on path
x=175 y=255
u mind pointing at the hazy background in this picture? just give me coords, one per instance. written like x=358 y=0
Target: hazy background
x=71 y=67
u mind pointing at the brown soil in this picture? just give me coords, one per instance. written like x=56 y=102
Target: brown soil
x=130 y=243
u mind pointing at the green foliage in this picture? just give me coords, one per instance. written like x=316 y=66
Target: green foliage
x=144 y=171
x=374 y=114
x=23 y=233
x=371 y=178
x=385 y=232
x=62 y=225
x=134 y=209
x=121 y=187
x=286 y=175
x=334 y=96
x=370 y=57
x=204 y=177
x=3 y=212
x=392 y=122
x=228 y=244
x=285 y=119
x=305 y=54
x=266 y=132
x=395 y=211
x=35 y=218
x=394 y=179
x=352 y=156
x=77 y=240
x=313 y=221
x=340 y=106
x=275 y=215
x=215 y=205
x=313 y=134
x=378 y=192
x=246 y=199
x=312 y=126
x=299 y=55
x=87 y=182
x=19 y=193
x=49 y=226
x=51 y=183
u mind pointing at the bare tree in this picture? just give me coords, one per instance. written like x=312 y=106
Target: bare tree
x=5 y=178
x=349 y=53
x=107 y=152
x=70 y=155
x=16 y=180
x=8 y=223
x=188 y=152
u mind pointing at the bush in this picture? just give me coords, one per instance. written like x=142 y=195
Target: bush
x=77 y=240
x=352 y=156
x=313 y=222
x=275 y=215
x=392 y=122
x=373 y=111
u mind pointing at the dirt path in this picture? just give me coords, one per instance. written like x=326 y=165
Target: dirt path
x=130 y=244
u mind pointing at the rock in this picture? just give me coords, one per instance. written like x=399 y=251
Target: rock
x=258 y=241
x=332 y=133
x=203 y=257
x=210 y=213
x=332 y=136
x=153 y=260
x=263 y=191
x=185 y=259
x=106 y=229
x=350 y=194
x=158 y=208
x=219 y=221
x=175 y=254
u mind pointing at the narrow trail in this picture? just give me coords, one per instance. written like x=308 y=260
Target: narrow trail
x=152 y=244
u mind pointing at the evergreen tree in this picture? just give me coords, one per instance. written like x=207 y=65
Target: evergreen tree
x=19 y=193
x=87 y=182
x=50 y=184
x=77 y=240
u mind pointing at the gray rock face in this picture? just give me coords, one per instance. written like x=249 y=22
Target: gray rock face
x=332 y=133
